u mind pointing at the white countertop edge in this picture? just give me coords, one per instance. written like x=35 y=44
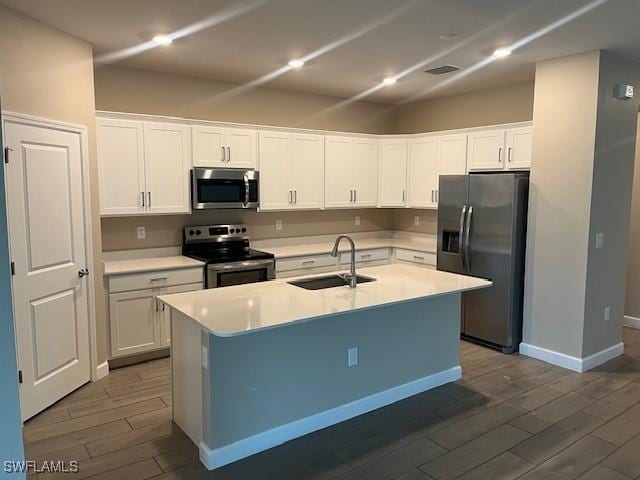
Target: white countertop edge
x=146 y=265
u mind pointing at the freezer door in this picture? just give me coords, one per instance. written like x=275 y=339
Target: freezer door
x=490 y=254
x=452 y=207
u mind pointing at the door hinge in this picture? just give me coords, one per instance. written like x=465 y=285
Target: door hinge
x=19 y=376
x=6 y=154
x=13 y=268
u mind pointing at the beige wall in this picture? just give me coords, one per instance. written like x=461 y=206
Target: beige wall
x=632 y=298
x=510 y=103
x=143 y=91
x=580 y=184
x=47 y=73
x=166 y=230
x=404 y=220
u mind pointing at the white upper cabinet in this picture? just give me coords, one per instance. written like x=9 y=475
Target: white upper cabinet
x=452 y=153
x=144 y=167
x=486 y=150
x=167 y=167
x=423 y=172
x=121 y=166
x=292 y=171
x=366 y=153
x=351 y=172
x=224 y=147
x=519 y=148
x=393 y=173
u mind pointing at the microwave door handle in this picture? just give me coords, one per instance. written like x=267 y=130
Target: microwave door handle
x=463 y=214
x=467 y=233
x=246 y=190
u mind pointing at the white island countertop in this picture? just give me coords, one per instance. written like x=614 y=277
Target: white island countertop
x=242 y=309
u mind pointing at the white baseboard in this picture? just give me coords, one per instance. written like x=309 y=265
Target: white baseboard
x=262 y=441
x=572 y=363
x=632 y=322
x=103 y=370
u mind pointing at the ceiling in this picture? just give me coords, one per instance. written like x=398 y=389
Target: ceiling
x=351 y=45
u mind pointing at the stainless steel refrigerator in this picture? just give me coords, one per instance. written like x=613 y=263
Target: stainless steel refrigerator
x=482 y=221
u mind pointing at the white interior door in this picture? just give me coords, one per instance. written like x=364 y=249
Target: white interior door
x=275 y=185
x=422 y=176
x=307 y=171
x=366 y=155
x=338 y=172
x=47 y=235
x=167 y=162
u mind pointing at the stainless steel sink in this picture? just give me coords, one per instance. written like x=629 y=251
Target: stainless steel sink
x=327 y=281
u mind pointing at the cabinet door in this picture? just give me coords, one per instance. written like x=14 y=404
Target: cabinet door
x=133 y=322
x=208 y=144
x=393 y=173
x=242 y=151
x=164 y=312
x=306 y=167
x=519 y=148
x=452 y=154
x=338 y=172
x=486 y=150
x=275 y=185
x=422 y=176
x=121 y=166
x=366 y=156
x=167 y=167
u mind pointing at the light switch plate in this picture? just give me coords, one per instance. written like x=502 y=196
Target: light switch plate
x=416 y=220
x=607 y=313
x=141 y=233
x=352 y=357
x=278 y=224
x=357 y=220
x=599 y=240
x=205 y=358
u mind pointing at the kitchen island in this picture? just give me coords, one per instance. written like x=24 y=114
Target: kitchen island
x=259 y=364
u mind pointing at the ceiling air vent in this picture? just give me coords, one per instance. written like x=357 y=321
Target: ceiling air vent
x=442 y=70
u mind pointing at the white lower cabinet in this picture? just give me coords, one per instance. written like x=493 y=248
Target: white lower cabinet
x=138 y=321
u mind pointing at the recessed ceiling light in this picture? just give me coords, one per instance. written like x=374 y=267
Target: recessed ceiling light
x=163 y=40
x=502 y=52
x=448 y=36
x=296 y=63
x=389 y=80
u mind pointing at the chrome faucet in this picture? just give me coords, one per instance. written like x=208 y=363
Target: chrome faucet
x=349 y=277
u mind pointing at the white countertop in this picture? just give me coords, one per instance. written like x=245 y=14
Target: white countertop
x=302 y=249
x=152 y=264
x=242 y=309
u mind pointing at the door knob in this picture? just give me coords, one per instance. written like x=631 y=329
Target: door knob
x=83 y=273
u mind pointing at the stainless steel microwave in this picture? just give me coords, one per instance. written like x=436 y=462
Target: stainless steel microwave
x=213 y=188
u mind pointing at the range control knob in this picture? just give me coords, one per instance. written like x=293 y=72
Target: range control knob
x=232 y=230
x=244 y=230
x=198 y=232
x=191 y=232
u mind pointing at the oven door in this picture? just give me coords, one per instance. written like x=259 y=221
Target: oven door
x=238 y=273
x=213 y=188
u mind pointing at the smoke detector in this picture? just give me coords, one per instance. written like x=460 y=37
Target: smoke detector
x=442 y=70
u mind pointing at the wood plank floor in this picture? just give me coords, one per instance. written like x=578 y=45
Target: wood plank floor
x=509 y=417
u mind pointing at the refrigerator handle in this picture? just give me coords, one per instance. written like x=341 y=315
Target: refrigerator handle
x=463 y=213
x=467 y=232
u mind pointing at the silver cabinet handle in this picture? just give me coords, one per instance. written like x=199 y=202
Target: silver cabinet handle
x=463 y=214
x=295 y=197
x=149 y=202
x=366 y=255
x=83 y=273
x=224 y=155
x=228 y=154
x=308 y=262
x=418 y=257
x=437 y=196
x=290 y=197
x=500 y=154
x=403 y=195
x=163 y=306
x=467 y=232
x=432 y=195
x=509 y=154
x=142 y=195
x=156 y=299
x=355 y=196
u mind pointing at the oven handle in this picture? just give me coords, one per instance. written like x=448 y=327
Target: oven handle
x=243 y=265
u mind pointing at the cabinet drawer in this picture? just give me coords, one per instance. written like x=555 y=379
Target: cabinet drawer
x=415 y=256
x=159 y=279
x=301 y=263
x=366 y=255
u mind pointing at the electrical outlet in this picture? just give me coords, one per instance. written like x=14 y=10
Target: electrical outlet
x=607 y=313
x=416 y=220
x=141 y=233
x=278 y=224
x=599 y=240
x=352 y=357
x=357 y=220
x=205 y=358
